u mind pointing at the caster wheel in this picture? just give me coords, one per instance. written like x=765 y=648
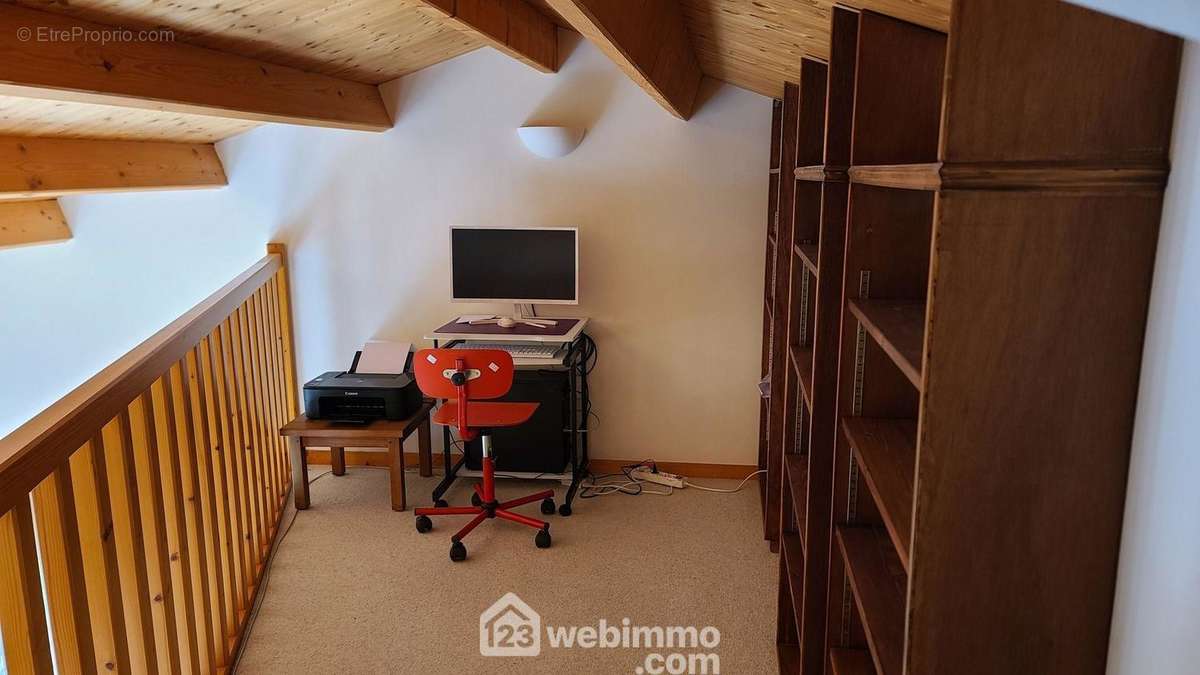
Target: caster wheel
x=542 y=539
x=458 y=552
x=441 y=503
x=547 y=507
x=564 y=510
x=424 y=524
x=475 y=500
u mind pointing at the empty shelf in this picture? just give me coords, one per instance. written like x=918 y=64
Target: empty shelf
x=808 y=255
x=899 y=327
x=789 y=659
x=879 y=587
x=851 y=662
x=796 y=467
x=803 y=365
x=887 y=454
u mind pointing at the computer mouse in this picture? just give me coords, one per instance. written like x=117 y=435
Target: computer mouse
x=506 y=322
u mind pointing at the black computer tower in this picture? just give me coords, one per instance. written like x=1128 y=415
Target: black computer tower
x=539 y=445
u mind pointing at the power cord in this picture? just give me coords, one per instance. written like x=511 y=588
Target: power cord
x=266 y=582
x=722 y=490
x=592 y=487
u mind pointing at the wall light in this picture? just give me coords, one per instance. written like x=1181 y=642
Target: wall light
x=550 y=142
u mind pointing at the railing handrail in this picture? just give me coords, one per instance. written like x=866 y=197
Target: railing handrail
x=31 y=452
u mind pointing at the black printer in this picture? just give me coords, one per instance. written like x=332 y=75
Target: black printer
x=361 y=397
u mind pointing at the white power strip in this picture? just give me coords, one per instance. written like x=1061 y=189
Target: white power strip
x=662 y=477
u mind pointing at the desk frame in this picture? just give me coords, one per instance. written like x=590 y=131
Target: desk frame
x=577 y=376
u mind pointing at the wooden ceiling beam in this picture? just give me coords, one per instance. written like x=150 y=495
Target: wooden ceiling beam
x=513 y=26
x=30 y=223
x=170 y=76
x=648 y=40
x=40 y=168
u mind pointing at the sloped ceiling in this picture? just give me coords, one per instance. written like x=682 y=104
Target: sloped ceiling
x=754 y=44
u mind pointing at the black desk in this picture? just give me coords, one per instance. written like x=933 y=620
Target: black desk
x=577 y=404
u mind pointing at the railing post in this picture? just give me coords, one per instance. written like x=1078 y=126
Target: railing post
x=285 y=322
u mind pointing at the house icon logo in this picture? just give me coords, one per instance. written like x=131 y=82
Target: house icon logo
x=510 y=628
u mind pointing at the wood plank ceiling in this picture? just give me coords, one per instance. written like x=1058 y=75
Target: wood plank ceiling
x=754 y=44
x=230 y=65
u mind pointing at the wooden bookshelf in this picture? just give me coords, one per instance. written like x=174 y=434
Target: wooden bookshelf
x=775 y=416
x=960 y=246
x=991 y=218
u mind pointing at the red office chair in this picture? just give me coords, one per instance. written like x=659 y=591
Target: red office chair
x=465 y=376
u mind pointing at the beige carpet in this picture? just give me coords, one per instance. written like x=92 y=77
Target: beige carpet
x=355 y=589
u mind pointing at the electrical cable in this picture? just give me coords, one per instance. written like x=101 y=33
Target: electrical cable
x=722 y=490
x=266 y=581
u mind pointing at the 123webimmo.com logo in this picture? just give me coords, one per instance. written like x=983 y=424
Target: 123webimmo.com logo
x=510 y=627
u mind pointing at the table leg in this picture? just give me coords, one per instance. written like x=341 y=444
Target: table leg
x=396 y=473
x=299 y=471
x=425 y=449
x=337 y=458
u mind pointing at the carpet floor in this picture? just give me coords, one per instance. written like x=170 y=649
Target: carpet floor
x=355 y=589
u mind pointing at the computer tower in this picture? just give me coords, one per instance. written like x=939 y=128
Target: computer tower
x=540 y=444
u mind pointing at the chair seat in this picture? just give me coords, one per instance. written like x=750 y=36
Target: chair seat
x=482 y=415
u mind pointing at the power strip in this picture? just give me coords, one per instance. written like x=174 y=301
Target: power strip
x=660 y=477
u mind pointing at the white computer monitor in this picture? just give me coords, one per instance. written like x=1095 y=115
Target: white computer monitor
x=519 y=265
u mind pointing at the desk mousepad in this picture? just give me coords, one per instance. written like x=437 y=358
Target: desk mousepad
x=563 y=327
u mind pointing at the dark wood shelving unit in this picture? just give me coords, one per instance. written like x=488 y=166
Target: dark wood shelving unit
x=959 y=261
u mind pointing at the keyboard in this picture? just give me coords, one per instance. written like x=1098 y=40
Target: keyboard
x=528 y=350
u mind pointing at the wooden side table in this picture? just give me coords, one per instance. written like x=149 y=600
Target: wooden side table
x=303 y=433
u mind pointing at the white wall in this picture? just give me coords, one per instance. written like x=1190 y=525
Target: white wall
x=1156 y=622
x=672 y=219
x=136 y=263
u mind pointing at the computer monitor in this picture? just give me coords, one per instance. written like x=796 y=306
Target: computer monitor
x=519 y=265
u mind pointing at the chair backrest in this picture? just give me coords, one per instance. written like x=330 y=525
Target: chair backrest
x=489 y=372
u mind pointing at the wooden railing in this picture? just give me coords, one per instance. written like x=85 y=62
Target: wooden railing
x=151 y=494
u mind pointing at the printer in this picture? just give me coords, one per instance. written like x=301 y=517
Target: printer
x=361 y=398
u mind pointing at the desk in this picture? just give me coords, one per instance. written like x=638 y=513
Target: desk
x=303 y=433
x=574 y=363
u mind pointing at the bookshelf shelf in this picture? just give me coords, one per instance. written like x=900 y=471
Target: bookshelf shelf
x=792 y=560
x=899 y=327
x=796 y=467
x=789 y=659
x=878 y=584
x=886 y=451
x=802 y=364
x=851 y=662
x=808 y=256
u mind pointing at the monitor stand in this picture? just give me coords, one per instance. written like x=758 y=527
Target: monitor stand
x=522 y=314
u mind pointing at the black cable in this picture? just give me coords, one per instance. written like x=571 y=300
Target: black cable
x=266 y=582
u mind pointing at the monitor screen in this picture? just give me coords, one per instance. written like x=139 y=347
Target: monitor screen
x=530 y=265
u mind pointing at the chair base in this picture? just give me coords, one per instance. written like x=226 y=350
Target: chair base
x=486 y=511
